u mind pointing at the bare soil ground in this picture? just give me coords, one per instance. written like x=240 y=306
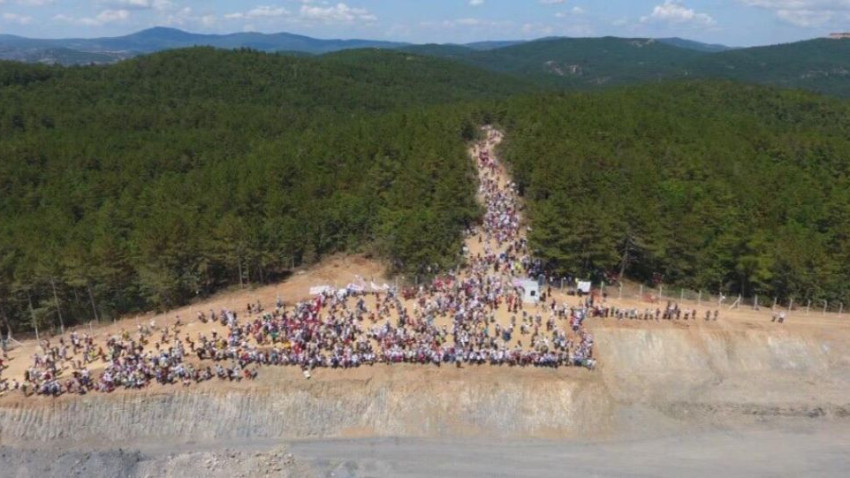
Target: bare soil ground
x=338 y=270
x=800 y=449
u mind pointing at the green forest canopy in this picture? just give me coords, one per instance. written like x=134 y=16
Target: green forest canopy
x=820 y=65
x=147 y=183
x=708 y=185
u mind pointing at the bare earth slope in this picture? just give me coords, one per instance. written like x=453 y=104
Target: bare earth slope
x=705 y=391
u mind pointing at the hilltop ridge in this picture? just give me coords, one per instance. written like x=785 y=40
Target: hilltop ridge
x=819 y=65
x=111 y=49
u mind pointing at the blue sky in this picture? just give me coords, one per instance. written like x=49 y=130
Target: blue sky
x=732 y=22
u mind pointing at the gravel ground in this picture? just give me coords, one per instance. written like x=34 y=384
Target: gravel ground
x=783 y=448
x=221 y=463
x=771 y=453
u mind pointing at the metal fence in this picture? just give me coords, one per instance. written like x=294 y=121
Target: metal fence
x=701 y=298
x=714 y=300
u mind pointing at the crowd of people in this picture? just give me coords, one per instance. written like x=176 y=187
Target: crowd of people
x=472 y=317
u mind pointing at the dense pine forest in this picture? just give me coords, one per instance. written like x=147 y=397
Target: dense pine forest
x=820 y=65
x=713 y=186
x=151 y=182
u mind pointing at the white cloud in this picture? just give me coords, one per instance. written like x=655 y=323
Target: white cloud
x=16 y=18
x=102 y=18
x=536 y=29
x=671 y=11
x=158 y=5
x=180 y=17
x=109 y=16
x=805 y=13
x=266 y=11
x=476 y=3
x=573 y=29
x=800 y=4
x=805 y=18
x=339 y=13
x=33 y=3
x=575 y=11
x=466 y=23
x=259 y=12
x=310 y=12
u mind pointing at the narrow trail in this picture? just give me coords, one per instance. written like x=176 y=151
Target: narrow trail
x=492 y=170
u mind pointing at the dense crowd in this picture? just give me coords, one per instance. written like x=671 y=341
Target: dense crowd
x=451 y=321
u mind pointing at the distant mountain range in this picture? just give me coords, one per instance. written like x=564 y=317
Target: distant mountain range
x=111 y=49
x=72 y=51
x=821 y=65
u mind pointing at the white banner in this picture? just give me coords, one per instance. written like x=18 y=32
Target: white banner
x=320 y=289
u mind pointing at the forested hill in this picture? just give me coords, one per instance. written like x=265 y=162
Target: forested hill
x=578 y=63
x=80 y=51
x=821 y=65
x=704 y=185
x=146 y=183
x=71 y=51
x=591 y=63
x=361 y=80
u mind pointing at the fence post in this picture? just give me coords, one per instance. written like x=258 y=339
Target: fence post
x=661 y=292
x=641 y=292
x=699 y=299
x=681 y=295
x=736 y=304
x=790 y=306
x=620 y=294
x=808 y=306
x=824 y=307
x=756 y=303
x=840 y=309
x=775 y=300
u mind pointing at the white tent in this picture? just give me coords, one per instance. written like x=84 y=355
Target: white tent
x=531 y=290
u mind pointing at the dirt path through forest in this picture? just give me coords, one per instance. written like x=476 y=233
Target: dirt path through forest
x=476 y=242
